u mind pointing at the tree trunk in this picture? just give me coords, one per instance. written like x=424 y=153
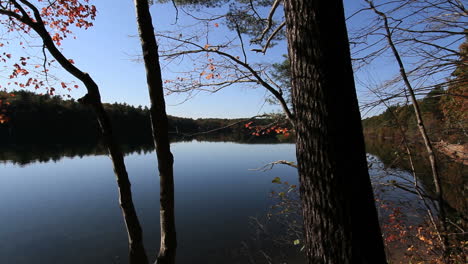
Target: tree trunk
x=160 y=126
x=420 y=124
x=137 y=252
x=340 y=218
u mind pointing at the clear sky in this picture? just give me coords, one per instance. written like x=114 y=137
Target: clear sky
x=108 y=51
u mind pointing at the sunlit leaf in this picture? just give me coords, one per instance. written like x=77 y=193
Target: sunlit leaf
x=276 y=180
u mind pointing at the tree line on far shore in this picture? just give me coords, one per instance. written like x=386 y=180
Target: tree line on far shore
x=34 y=118
x=444 y=118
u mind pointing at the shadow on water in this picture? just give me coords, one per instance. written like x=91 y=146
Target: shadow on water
x=30 y=153
x=23 y=154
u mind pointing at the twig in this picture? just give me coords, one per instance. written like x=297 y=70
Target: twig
x=269 y=21
x=270 y=165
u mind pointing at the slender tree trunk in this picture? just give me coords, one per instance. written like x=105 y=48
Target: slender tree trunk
x=420 y=124
x=414 y=101
x=92 y=98
x=159 y=122
x=340 y=218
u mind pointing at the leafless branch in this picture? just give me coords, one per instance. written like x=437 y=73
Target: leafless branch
x=270 y=38
x=270 y=165
x=236 y=61
x=269 y=21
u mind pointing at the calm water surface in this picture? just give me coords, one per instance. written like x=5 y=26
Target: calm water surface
x=67 y=211
x=64 y=207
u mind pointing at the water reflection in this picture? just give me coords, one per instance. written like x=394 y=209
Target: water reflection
x=419 y=226
x=23 y=154
x=59 y=201
x=55 y=212
x=453 y=175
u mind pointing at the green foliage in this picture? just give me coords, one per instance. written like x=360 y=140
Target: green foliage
x=240 y=15
x=276 y=180
x=281 y=73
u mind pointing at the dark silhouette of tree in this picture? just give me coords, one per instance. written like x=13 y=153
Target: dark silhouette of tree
x=340 y=218
x=27 y=17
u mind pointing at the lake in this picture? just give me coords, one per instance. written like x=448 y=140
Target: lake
x=60 y=205
x=66 y=211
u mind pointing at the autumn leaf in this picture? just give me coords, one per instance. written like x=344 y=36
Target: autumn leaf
x=216 y=24
x=276 y=180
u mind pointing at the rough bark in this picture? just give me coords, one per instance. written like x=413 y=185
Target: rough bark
x=137 y=252
x=160 y=126
x=340 y=218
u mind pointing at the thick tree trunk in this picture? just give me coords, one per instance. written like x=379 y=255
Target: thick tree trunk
x=159 y=122
x=137 y=252
x=340 y=218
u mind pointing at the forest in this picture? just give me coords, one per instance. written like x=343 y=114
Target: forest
x=445 y=118
x=57 y=120
x=386 y=188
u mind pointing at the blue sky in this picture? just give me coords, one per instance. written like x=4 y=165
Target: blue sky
x=108 y=51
